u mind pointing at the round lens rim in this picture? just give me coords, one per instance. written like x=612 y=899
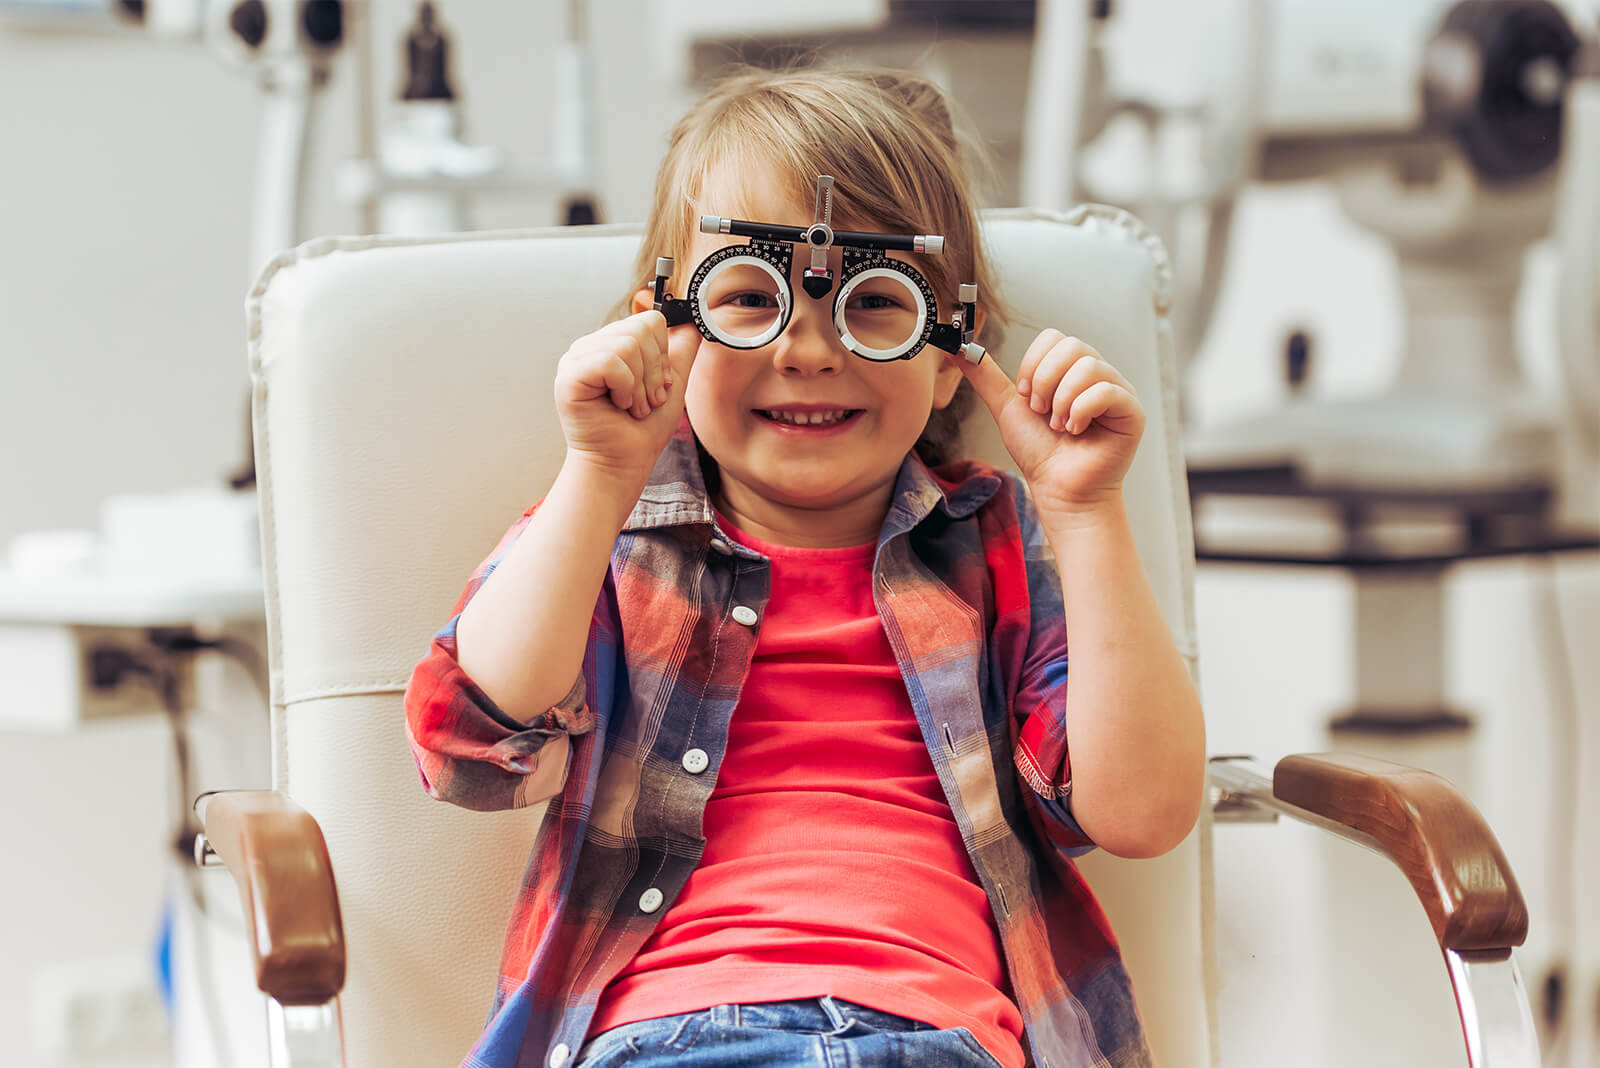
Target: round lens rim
x=908 y=277
x=723 y=259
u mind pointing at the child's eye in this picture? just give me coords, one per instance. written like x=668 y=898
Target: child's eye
x=873 y=302
x=751 y=299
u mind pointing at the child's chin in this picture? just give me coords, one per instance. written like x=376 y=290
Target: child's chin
x=799 y=491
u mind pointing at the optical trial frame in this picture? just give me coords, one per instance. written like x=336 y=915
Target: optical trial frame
x=860 y=250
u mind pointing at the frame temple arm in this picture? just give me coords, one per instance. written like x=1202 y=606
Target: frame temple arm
x=279 y=861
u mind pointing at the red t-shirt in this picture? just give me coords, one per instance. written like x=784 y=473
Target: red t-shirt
x=832 y=864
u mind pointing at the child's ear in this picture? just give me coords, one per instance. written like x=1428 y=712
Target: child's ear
x=644 y=298
x=947 y=380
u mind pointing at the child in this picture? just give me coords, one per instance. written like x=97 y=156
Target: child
x=800 y=702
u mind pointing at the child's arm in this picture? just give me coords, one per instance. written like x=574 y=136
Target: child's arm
x=619 y=395
x=1134 y=734
x=491 y=708
x=522 y=636
x=1134 y=727
x=468 y=750
x=475 y=745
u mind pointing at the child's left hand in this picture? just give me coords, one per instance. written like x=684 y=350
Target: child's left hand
x=1071 y=422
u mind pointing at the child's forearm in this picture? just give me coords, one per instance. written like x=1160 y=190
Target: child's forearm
x=1135 y=734
x=522 y=636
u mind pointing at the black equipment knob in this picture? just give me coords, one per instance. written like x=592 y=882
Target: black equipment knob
x=248 y=20
x=1494 y=77
x=323 y=21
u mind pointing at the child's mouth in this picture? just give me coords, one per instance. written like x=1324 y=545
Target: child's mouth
x=810 y=422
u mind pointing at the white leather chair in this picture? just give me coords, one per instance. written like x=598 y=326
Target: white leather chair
x=388 y=370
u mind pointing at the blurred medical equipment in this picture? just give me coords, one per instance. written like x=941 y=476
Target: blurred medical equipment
x=1452 y=130
x=164 y=18
x=414 y=175
x=420 y=141
x=424 y=177
x=290 y=46
x=1461 y=197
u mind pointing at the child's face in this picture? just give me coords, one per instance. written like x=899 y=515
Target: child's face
x=734 y=395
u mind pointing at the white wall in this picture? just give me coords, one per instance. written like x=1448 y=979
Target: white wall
x=125 y=180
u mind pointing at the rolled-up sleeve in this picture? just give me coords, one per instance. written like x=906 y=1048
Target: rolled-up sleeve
x=1040 y=698
x=468 y=750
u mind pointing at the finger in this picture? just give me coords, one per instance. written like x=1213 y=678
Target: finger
x=988 y=380
x=637 y=333
x=636 y=353
x=632 y=324
x=635 y=350
x=581 y=374
x=676 y=344
x=1053 y=367
x=656 y=372
x=1047 y=340
x=619 y=378
x=640 y=349
x=1085 y=371
x=683 y=342
x=1110 y=405
x=632 y=351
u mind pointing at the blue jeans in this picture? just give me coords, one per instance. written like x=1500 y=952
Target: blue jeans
x=808 y=1033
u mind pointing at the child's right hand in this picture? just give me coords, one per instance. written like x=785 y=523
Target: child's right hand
x=619 y=394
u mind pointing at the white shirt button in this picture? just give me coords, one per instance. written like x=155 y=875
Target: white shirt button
x=650 y=900
x=721 y=546
x=695 y=761
x=745 y=614
x=559 y=1055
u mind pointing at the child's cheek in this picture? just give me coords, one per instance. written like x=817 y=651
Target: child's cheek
x=699 y=399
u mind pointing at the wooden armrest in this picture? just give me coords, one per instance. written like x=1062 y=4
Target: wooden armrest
x=279 y=861
x=1435 y=836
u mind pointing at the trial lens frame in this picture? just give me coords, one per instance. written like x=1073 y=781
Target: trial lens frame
x=863 y=256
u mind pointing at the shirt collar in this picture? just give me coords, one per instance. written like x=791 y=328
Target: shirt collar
x=676 y=493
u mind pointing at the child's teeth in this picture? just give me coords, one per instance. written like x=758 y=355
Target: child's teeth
x=809 y=418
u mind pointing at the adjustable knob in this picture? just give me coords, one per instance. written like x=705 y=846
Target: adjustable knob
x=1494 y=76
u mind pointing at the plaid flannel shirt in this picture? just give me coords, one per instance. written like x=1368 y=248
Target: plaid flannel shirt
x=969 y=597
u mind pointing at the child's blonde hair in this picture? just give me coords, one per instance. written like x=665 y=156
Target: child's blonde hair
x=888 y=140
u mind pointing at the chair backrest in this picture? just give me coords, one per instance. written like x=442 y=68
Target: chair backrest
x=386 y=372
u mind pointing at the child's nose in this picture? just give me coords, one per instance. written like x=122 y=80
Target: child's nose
x=810 y=344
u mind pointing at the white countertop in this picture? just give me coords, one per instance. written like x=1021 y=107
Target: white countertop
x=91 y=598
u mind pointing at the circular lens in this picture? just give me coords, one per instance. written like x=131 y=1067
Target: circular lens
x=744 y=301
x=880 y=314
